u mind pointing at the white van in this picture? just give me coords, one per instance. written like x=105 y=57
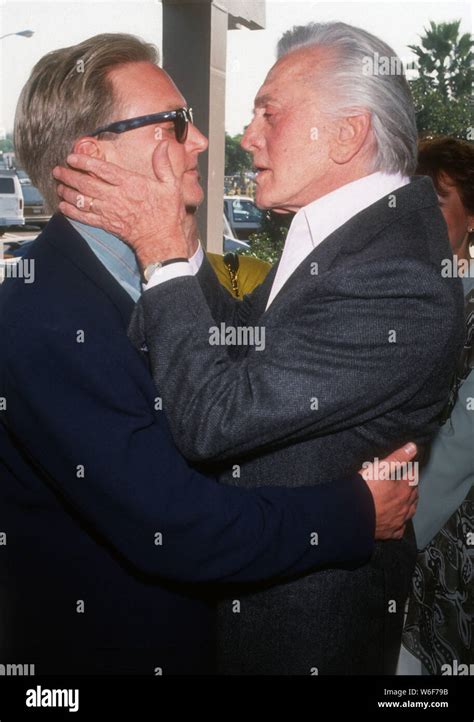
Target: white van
x=11 y=200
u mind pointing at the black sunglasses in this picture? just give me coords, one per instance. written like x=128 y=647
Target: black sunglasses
x=181 y=119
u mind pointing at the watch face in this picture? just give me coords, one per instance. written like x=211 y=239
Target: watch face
x=149 y=270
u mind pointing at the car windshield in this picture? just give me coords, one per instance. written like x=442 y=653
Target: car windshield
x=246 y=211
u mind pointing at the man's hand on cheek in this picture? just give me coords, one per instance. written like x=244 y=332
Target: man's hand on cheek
x=146 y=214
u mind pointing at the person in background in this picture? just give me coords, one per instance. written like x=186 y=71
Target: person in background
x=439 y=625
x=238 y=274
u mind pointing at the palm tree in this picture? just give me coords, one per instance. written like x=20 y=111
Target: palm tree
x=444 y=60
x=442 y=90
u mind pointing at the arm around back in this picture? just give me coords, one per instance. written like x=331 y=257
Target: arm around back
x=84 y=414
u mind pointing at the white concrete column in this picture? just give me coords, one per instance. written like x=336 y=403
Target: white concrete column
x=194 y=54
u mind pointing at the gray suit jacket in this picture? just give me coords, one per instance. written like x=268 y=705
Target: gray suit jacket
x=357 y=360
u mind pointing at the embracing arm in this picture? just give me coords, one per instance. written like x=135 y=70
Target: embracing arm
x=86 y=421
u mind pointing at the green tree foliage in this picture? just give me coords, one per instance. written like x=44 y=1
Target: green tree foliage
x=443 y=87
x=268 y=243
x=437 y=117
x=237 y=160
x=6 y=145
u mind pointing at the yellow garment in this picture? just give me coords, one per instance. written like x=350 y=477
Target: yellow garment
x=251 y=273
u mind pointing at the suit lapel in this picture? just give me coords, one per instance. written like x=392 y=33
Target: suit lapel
x=323 y=255
x=356 y=233
x=264 y=292
x=66 y=240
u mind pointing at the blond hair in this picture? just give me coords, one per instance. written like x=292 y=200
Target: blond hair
x=68 y=95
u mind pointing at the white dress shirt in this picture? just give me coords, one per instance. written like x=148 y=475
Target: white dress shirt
x=316 y=221
x=310 y=226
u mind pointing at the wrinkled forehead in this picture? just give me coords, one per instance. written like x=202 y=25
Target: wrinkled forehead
x=296 y=74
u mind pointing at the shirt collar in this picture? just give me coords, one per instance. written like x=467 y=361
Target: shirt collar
x=328 y=213
x=317 y=220
x=115 y=255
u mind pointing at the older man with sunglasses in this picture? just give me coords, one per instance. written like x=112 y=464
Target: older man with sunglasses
x=110 y=533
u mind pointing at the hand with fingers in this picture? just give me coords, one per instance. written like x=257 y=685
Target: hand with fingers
x=148 y=214
x=393 y=482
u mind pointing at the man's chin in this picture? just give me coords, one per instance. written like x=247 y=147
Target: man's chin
x=193 y=199
x=263 y=200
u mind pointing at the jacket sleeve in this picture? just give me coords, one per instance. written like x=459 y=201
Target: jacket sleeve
x=449 y=473
x=83 y=415
x=332 y=360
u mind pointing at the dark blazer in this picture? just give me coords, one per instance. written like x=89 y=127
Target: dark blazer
x=357 y=360
x=110 y=534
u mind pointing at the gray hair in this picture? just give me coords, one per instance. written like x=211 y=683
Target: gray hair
x=68 y=95
x=357 y=83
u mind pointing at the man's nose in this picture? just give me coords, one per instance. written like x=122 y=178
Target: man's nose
x=251 y=139
x=197 y=139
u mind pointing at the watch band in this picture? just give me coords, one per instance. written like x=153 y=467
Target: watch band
x=149 y=270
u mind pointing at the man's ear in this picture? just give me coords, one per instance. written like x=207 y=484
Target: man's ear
x=89 y=146
x=349 y=137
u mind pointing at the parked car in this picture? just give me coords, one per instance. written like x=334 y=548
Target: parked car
x=18 y=250
x=230 y=243
x=11 y=201
x=34 y=205
x=243 y=215
x=234 y=245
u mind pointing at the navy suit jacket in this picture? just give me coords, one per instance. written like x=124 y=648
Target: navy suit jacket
x=112 y=538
